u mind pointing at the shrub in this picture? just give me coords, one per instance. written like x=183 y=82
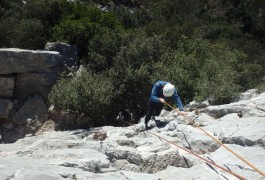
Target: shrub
x=85 y=93
x=133 y=69
x=82 y=25
x=103 y=48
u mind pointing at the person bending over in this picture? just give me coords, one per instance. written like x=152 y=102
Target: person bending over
x=162 y=91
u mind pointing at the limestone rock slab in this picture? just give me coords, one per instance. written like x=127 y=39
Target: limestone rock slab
x=15 y=60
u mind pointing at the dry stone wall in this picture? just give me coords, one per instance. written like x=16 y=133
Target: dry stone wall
x=26 y=78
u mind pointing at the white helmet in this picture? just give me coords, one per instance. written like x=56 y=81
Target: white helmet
x=168 y=90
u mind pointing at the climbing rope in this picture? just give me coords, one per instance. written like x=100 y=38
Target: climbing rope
x=244 y=160
x=202 y=158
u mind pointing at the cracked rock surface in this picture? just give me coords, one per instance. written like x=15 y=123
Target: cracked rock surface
x=132 y=153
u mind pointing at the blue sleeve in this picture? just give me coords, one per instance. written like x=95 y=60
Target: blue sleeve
x=155 y=93
x=178 y=101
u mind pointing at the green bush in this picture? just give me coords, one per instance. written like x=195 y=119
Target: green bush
x=208 y=49
x=133 y=69
x=216 y=76
x=48 y=12
x=82 y=25
x=85 y=93
x=27 y=34
x=132 y=18
x=103 y=48
x=199 y=65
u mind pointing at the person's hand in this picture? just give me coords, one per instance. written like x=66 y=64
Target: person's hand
x=162 y=100
x=183 y=113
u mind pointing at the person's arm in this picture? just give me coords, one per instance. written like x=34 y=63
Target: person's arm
x=178 y=101
x=155 y=92
x=179 y=104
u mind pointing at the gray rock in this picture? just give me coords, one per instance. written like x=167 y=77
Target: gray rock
x=261 y=142
x=68 y=52
x=29 y=84
x=7 y=86
x=197 y=105
x=134 y=158
x=248 y=94
x=14 y=60
x=5 y=108
x=222 y=110
x=242 y=141
x=8 y=125
x=160 y=161
x=127 y=153
x=123 y=164
x=33 y=113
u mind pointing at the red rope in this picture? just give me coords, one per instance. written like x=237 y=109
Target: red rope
x=244 y=160
x=210 y=162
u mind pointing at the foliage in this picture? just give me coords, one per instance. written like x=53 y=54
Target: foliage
x=29 y=34
x=208 y=49
x=82 y=25
x=132 y=18
x=85 y=93
x=134 y=63
x=33 y=21
x=103 y=47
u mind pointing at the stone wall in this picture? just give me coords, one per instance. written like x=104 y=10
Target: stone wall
x=26 y=78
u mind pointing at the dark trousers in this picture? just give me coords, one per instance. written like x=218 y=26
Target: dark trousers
x=154 y=109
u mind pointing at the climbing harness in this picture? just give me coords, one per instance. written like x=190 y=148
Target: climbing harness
x=248 y=163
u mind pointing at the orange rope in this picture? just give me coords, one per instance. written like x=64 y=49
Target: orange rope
x=210 y=162
x=236 y=175
x=248 y=163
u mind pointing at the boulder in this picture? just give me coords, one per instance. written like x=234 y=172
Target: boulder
x=248 y=94
x=68 y=53
x=33 y=113
x=29 y=84
x=5 y=108
x=14 y=60
x=197 y=105
x=7 y=86
x=222 y=110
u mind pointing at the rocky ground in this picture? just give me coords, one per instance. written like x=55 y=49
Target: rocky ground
x=132 y=153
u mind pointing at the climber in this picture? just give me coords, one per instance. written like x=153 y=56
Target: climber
x=161 y=91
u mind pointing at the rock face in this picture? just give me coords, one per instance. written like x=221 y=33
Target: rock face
x=26 y=78
x=39 y=83
x=7 y=86
x=68 y=52
x=5 y=107
x=20 y=61
x=131 y=153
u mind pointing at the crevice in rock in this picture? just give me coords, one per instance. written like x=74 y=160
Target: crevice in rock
x=124 y=175
x=188 y=164
x=244 y=168
x=240 y=140
x=185 y=138
x=10 y=177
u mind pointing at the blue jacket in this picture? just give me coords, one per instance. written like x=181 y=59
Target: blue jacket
x=157 y=92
